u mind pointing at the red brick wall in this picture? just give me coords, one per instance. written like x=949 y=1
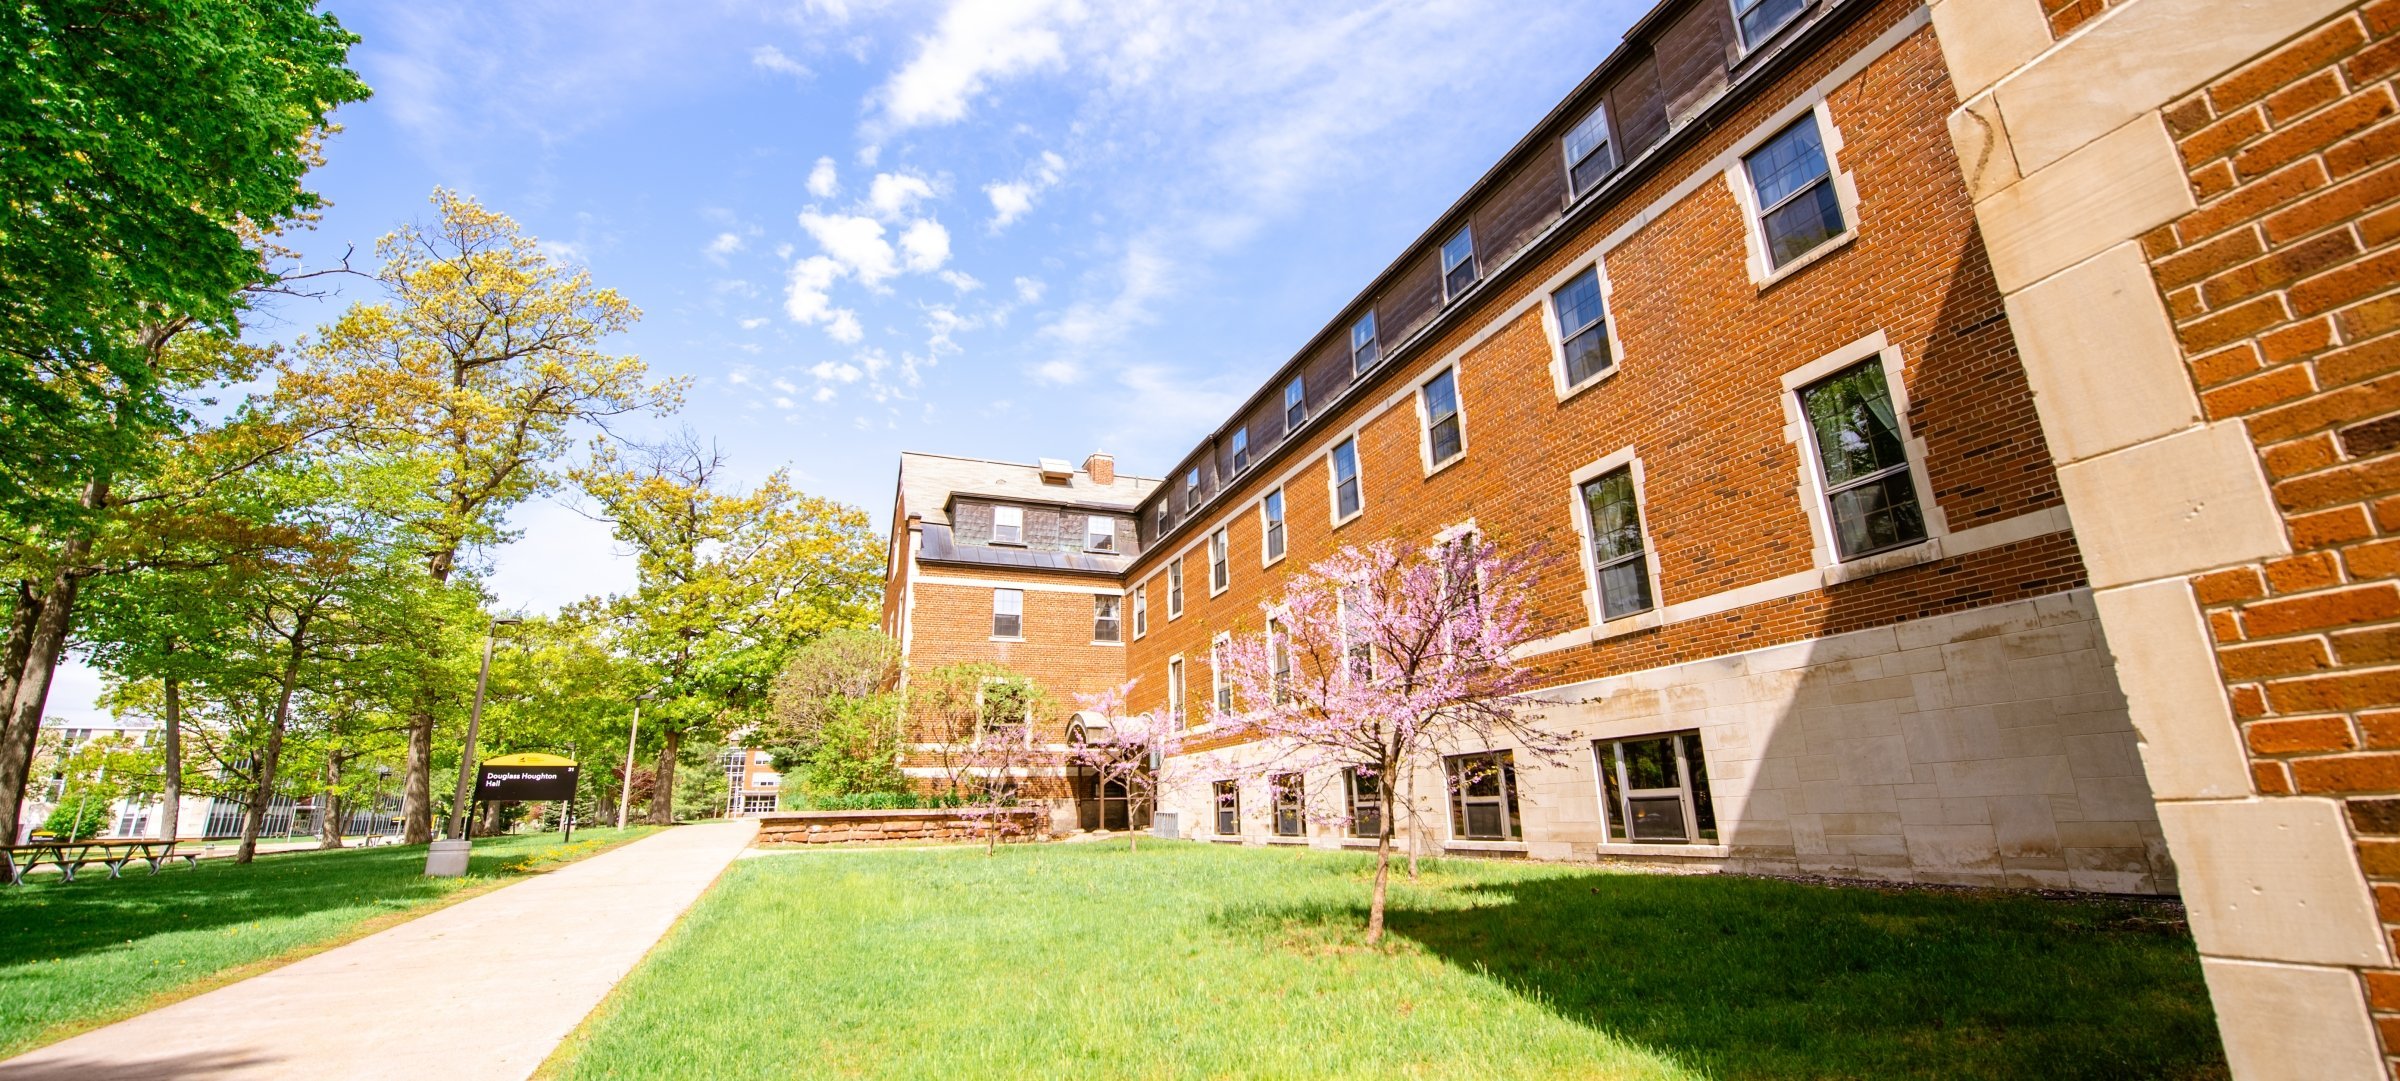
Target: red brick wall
x=1699 y=394
x=2284 y=285
x=953 y=624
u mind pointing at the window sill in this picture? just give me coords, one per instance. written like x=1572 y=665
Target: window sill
x=1222 y=838
x=1005 y=638
x=1484 y=846
x=1216 y=591
x=1004 y=544
x=1445 y=464
x=1628 y=848
x=1355 y=515
x=1821 y=251
x=1266 y=561
x=1100 y=642
x=1370 y=842
x=1632 y=624
x=1559 y=373
x=1925 y=551
x=1279 y=839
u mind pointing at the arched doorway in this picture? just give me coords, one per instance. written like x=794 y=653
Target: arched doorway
x=1101 y=803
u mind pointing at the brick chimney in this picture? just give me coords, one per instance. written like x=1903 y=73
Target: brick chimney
x=1103 y=469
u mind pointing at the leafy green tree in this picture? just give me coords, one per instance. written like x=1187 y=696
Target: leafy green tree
x=474 y=374
x=730 y=582
x=143 y=137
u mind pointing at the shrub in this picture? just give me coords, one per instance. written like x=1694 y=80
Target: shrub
x=856 y=749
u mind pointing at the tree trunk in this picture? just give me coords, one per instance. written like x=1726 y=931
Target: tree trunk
x=1383 y=877
x=329 y=823
x=170 y=812
x=1408 y=782
x=416 y=786
x=662 y=785
x=23 y=613
x=24 y=721
x=488 y=819
x=264 y=794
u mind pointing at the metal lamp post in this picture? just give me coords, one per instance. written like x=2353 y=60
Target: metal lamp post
x=625 y=792
x=448 y=858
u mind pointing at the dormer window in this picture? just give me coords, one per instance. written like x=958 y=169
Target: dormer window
x=1458 y=263
x=1589 y=156
x=1191 y=488
x=1099 y=533
x=1241 y=449
x=1295 y=403
x=1008 y=525
x=1364 y=349
x=1760 y=19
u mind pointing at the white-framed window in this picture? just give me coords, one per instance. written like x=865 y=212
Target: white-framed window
x=1141 y=609
x=1107 y=623
x=1008 y=613
x=1620 y=558
x=1177 y=700
x=1220 y=681
x=1270 y=527
x=1445 y=429
x=1798 y=204
x=1760 y=19
x=1358 y=647
x=1241 y=449
x=1175 y=587
x=1099 y=533
x=1342 y=481
x=1229 y=807
x=1288 y=798
x=1459 y=269
x=1365 y=796
x=1579 y=309
x=1862 y=459
x=1004 y=704
x=1220 y=562
x=1279 y=660
x=1166 y=518
x=1589 y=155
x=1483 y=797
x=1654 y=789
x=1191 y=488
x=1295 y=402
x=1008 y=525
x=1365 y=350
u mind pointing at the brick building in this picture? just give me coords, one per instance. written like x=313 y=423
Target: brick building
x=1975 y=428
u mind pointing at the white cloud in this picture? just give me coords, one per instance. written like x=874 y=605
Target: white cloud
x=725 y=244
x=960 y=280
x=823 y=394
x=1142 y=276
x=738 y=377
x=783 y=403
x=807 y=299
x=869 y=154
x=822 y=181
x=855 y=242
x=976 y=42
x=892 y=194
x=1058 y=372
x=784 y=385
x=926 y=244
x=1014 y=199
x=1029 y=290
x=770 y=58
x=829 y=371
x=753 y=324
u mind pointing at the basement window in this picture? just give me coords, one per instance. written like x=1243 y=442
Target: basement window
x=1366 y=801
x=1483 y=797
x=1656 y=789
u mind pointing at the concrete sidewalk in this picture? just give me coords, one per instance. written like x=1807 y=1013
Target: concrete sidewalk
x=481 y=989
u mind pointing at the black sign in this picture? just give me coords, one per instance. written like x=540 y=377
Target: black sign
x=502 y=783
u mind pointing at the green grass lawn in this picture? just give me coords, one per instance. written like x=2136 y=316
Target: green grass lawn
x=75 y=955
x=1190 y=960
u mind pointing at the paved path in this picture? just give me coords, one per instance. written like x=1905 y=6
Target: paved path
x=483 y=989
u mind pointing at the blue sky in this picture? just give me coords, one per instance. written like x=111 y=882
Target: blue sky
x=1001 y=228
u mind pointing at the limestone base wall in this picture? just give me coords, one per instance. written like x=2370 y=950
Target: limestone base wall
x=1990 y=747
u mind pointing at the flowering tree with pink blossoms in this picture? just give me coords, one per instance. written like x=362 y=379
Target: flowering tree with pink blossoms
x=1128 y=753
x=1378 y=656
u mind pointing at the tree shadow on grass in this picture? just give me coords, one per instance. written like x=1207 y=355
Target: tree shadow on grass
x=1761 y=979
x=47 y=919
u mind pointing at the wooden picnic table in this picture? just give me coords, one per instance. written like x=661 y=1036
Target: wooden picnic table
x=18 y=860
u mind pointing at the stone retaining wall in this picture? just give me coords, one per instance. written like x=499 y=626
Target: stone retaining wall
x=852 y=827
